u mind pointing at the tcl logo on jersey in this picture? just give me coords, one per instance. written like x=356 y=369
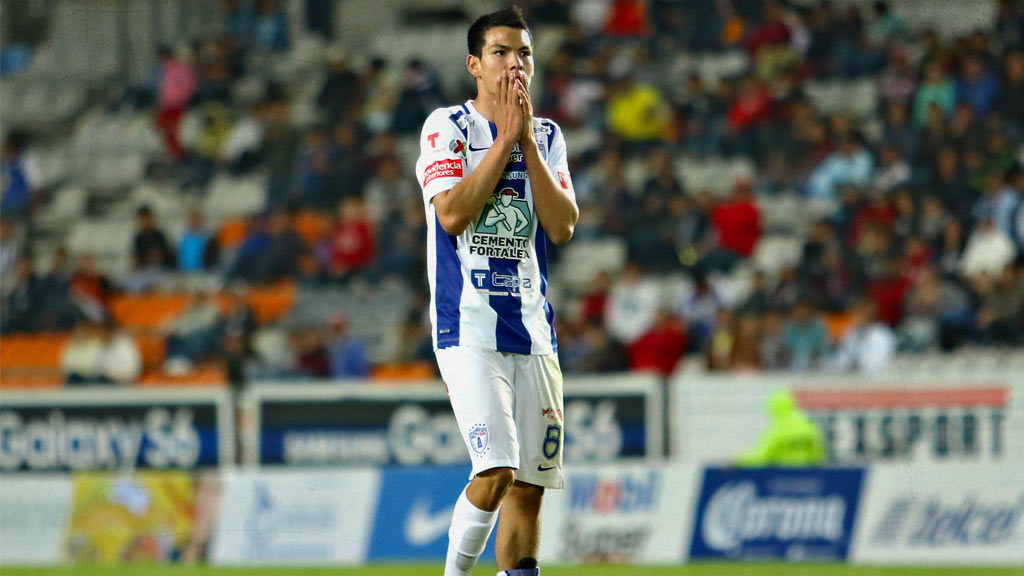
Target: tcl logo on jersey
x=443 y=169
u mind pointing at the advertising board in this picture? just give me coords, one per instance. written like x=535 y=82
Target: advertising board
x=622 y=514
x=295 y=517
x=605 y=419
x=953 y=513
x=776 y=513
x=108 y=429
x=34 y=509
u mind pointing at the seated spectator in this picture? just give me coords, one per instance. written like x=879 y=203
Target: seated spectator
x=699 y=311
x=632 y=305
x=271 y=31
x=90 y=289
x=661 y=347
x=197 y=249
x=317 y=159
x=120 y=361
x=311 y=360
x=637 y=112
x=350 y=246
x=341 y=90
x=867 y=346
x=737 y=224
x=195 y=334
x=989 y=250
x=850 y=164
x=937 y=89
x=26 y=301
x=937 y=313
x=346 y=355
x=150 y=246
x=977 y=85
x=19 y=192
x=1011 y=96
x=80 y=357
x=1000 y=317
x=804 y=338
x=177 y=86
x=420 y=95
x=893 y=169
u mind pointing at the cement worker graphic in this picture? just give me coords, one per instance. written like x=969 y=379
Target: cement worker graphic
x=507 y=219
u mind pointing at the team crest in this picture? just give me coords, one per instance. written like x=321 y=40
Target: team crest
x=479 y=439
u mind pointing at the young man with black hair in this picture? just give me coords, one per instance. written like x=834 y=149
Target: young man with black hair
x=496 y=188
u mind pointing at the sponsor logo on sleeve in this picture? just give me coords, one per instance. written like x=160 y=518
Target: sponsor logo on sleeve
x=563 y=179
x=442 y=169
x=457 y=147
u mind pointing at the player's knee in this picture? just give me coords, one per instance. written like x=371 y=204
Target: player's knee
x=495 y=483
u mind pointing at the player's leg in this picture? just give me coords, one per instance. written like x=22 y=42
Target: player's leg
x=538 y=420
x=519 y=529
x=480 y=389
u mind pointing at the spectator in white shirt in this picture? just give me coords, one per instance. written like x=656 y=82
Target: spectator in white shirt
x=868 y=344
x=988 y=251
x=632 y=305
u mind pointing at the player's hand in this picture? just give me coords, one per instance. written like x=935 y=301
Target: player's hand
x=523 y=90
x=509 y=117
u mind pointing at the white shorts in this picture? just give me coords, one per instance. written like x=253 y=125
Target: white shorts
x=509 y=410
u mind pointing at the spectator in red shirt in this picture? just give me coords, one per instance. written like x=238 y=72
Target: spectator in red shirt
x=771 y=32
x=737 y=224
x=626 y=18
x=351 y=245
x=177 y=86
x=887 y=290
x=660 y=348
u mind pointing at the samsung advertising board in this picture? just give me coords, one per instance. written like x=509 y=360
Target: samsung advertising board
x=107 y=429
x=605 y=419
x=776 y=513
x=952 y=513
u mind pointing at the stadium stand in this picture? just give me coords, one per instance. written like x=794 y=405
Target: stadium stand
x=286 y=125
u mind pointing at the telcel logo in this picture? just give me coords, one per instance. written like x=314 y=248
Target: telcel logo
x=934 y=523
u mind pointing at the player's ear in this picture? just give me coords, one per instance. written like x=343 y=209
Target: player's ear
x=473 y=65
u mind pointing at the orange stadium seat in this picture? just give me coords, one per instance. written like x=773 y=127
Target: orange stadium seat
x=232 y=232
x=146 y=312
x=311 y=226
x=837 y=323
x=31 y=361
x=403 y=371
x=271 y=303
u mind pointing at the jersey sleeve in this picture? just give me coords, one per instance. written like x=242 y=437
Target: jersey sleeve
x=442 y=148
x=558 y=159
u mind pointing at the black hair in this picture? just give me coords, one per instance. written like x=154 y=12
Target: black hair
x=509 y=17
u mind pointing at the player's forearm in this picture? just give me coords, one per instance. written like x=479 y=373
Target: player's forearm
x=456 y=208
x=556 y=211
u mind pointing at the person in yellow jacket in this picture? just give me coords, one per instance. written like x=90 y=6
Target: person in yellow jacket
x=791 y=439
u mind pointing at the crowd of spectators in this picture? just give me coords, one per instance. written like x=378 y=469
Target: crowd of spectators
x=921 y=247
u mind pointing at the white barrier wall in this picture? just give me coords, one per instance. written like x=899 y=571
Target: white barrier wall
x=942 y=418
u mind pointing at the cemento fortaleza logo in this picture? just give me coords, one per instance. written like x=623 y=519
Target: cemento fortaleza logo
x=503 y=229
x=160 y=438
x=737 y=514
x=932 y=523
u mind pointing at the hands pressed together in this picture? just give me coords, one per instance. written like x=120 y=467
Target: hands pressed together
x=514 y=108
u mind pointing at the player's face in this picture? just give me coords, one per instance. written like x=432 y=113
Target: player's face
x=504 y=49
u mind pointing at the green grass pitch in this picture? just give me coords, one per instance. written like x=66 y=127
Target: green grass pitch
x=436 y=569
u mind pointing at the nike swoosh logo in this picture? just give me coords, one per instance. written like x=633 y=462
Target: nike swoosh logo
x=423 y=527
x=471 y=149
x=542 y=468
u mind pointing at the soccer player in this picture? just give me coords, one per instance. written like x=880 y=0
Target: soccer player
x=496 y=188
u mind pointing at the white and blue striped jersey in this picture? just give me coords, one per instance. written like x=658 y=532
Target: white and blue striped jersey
x=488 y=285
